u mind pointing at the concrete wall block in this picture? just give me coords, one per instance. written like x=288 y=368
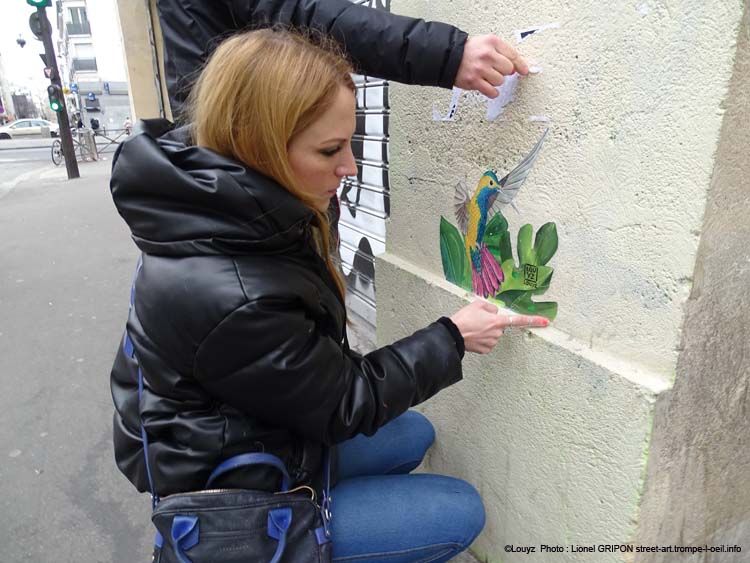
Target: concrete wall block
x=554 y=439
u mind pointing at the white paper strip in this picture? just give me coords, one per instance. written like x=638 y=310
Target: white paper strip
x=507 y=93
x=451 y=115
x=522 y=34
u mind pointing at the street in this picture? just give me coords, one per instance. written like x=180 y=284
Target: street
x=22 y=159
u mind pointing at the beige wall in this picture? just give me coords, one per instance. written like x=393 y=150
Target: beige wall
x=698 y=486
x=555 y=427
x=140 y=31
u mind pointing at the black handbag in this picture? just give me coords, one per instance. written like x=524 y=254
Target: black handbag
x=239 y=525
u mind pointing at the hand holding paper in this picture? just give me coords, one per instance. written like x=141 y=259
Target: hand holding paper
x=486 y=60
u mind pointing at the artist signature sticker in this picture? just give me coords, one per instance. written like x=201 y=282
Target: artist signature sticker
x=530 y=275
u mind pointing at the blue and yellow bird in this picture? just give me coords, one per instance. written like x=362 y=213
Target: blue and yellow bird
x=473 y=213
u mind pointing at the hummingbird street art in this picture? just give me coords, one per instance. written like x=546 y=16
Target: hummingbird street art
x=479 y=258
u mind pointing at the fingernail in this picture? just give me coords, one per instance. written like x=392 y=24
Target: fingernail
x=545 y=322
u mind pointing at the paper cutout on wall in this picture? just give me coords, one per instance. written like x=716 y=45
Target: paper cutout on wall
x=506 y=94
x=495 y=107
x=451 y=115
x=479 y=257
x=522 y=34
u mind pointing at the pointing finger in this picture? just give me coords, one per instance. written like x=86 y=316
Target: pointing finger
x=525 y=320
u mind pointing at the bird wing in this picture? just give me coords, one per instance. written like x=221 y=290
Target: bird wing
x=460 y=203
x=513 y=181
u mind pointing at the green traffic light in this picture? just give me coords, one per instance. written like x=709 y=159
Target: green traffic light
x=39 y=3
x=54 y=106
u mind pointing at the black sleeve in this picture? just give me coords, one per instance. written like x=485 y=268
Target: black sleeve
x=456 y=334
x=268 y=360
x=380 y=44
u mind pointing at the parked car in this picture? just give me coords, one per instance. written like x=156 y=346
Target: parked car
x=25 y=128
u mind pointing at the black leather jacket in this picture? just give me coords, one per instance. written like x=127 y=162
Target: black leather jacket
x=380 y=44
x=238 y=328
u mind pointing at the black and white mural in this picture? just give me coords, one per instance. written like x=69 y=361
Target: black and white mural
x=365 y=203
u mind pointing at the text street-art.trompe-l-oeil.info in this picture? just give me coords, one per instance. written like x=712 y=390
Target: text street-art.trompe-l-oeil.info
x=478 y=255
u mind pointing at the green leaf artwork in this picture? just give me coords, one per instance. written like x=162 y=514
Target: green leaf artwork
x=478 y=255
x=521 y=280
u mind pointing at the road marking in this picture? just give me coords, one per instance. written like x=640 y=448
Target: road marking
x=7 y=187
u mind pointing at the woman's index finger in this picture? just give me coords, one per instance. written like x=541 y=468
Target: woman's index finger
x=530 y=321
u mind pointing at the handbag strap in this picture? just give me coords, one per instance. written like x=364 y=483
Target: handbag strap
x=234 y=462
x=243 y=460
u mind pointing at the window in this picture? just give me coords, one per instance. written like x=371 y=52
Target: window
x=21 y=124
x=78 y=15
x=79 y=23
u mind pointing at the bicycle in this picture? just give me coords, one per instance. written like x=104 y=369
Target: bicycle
x=85 y=152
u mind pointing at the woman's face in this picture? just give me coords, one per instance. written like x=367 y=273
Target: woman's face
x=321 y=155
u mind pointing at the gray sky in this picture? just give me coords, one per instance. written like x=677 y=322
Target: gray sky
x=23 y=67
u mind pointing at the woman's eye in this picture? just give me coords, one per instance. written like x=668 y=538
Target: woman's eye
x=330 y=152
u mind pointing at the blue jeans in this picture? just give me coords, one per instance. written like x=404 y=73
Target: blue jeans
x=381 y=514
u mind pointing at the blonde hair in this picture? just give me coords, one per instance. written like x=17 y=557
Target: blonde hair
x=258 y=91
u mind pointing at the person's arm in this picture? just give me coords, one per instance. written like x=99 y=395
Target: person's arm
x=379 y=43
x=269 y=360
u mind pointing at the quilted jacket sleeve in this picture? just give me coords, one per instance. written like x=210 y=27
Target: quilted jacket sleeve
x=379 y=43
x=268 y=360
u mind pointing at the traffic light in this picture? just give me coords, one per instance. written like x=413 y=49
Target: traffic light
x=40 y=3
x=56 y=99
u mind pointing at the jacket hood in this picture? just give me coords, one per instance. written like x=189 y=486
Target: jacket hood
x=180 y=199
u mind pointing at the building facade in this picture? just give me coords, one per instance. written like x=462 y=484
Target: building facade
x=92 y=65
x=7 y=109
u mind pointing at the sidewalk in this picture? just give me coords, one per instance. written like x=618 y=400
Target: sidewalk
x=67 y=262
x=45 y=173
x=42 y=142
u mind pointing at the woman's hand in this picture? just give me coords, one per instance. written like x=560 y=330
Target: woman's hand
x=481 y=325
x=485 y=61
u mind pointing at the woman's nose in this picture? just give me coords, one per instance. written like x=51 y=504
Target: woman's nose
x=349 y=166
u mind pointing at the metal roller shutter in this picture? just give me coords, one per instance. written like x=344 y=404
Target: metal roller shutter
x=365 y=204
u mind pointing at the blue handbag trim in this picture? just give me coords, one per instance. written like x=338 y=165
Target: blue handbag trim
x=279 y=520
x=320 y=536
x=185 y=534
